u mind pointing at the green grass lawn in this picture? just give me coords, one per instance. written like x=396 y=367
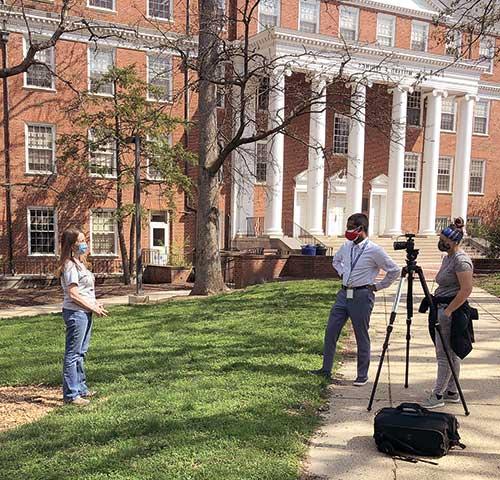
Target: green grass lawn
x=197 y=389
x=491 y=283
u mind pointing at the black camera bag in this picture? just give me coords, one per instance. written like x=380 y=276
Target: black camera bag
x=411 y=428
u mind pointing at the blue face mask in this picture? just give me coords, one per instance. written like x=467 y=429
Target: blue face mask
x=82 y=248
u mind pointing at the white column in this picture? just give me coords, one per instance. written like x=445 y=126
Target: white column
x=356 y=150
x=460 y=196
x=432 y=138
x=316 y=166
x=396 y=161
x=274 y=204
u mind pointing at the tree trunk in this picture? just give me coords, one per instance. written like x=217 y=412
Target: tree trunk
x=132 y=242
x=208 y=273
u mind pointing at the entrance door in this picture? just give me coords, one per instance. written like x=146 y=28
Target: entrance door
x=377 y=214
x=300 y=214
x=159 y=235
x=336 y=215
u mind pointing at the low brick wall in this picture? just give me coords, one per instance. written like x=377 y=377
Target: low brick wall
x=486 y=265
x=304 y=266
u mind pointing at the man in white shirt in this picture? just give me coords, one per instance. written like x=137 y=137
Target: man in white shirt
x=358 y=263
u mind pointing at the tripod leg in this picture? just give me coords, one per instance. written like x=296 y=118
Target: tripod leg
x=409 y=316
x=387 y=337
x=440 y=333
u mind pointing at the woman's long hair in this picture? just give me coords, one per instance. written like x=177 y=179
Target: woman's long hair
x=68 y=240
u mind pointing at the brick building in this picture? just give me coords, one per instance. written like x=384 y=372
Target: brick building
x=418 y=147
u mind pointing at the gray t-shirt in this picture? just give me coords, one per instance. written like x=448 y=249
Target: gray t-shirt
x=447 y=276
x=81 y=276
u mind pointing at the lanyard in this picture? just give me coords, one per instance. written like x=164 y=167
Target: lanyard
x=353 y=263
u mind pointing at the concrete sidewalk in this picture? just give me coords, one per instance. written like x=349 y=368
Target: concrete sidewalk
x=154 y=297
x=344 y=448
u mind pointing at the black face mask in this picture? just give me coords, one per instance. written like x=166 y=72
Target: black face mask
x=443 y=247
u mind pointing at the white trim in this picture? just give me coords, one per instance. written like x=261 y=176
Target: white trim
x=166 y=228
x=392 y=19
x=483 y=174
x=102 y=9
x=26 y=148
x=452 y=162
x=486 y=133
x=318 y=14
x=148 y=174
x=260 y=27
x=265 y=142
x=454 y=128
x=491 y=66
x=52 y=88
x=170 y=19
x=92 y=211
x=90 y=47
x=418 y=173
x=171 y=79
x=353 y=10
x=415 y=23
x=56 y=233
x=113 y=175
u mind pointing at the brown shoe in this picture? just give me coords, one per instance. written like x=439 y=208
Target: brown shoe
x=78 y=401
x=89 y=394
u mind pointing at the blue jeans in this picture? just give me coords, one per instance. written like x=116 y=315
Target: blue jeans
x=78 y=330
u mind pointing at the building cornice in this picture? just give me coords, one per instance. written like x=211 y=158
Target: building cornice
x=395 y=9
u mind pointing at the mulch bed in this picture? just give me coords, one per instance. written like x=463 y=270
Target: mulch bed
x=29 y=297
x=20 y=405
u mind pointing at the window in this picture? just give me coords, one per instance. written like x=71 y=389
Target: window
x=487 y=52
x=444 y=174
x=261 y=164
x=105 y=4
x=154 y=147
x=41 y=231
x=103 y=232
x=448 y=115
x=442 y=223
x=386 y=26
x=414 y=108
x=341 y=134
x=481 y=113
x=101 y=60
x=419 y=34
x=160 y=78
x=269 y=11
x=40 y=147
x=102 y=152
x=476 y=182
x=220 y=75
x=160 y=9
x=263 y=94
x=309 y=16
x=40 y=76
x=453 y=43
x=411 y=171
x=349 y=23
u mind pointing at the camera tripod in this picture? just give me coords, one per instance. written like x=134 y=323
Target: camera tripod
x=408 y=272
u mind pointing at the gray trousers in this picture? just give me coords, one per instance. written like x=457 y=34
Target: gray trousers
x=445 y=381
x=358 y=310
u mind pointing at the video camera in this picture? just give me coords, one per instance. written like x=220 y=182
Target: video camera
x=409 y=244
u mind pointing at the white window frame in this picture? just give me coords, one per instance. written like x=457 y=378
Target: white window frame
x=486 y=133
x=28 y=225
x=149 y=176
x=420 y=113
x=483 y=175
x=418 y=173
x=92 y=211
x=491 y=58
x=317 y=4
x=89 y=54
x=102 y=9
x=52 y=88
x=113 y=168
x=392 y=19
x=449 y=157
x=344 y=117
x=171 y=79
x=170 y=19
x=266 y=143
x=454 y=43
x=414 y=24
x=454 y=128
x=354 y=10
x=26 y=148
x=260 y=27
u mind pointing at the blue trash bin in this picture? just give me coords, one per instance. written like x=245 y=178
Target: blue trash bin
x=308 y=250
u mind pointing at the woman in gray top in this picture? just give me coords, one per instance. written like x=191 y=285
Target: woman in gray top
x=78 y=305
x=454 y=281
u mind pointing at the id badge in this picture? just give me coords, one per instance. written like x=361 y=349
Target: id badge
x=349 y=293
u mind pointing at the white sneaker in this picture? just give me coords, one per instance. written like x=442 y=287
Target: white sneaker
x=359 y=382
x=433 y=401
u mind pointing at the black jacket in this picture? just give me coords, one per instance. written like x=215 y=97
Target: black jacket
x=462 y=331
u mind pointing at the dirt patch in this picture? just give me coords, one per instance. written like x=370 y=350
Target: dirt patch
x=20 y=405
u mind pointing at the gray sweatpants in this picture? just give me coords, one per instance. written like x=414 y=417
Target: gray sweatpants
x=358 y=310
x=445 y=381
